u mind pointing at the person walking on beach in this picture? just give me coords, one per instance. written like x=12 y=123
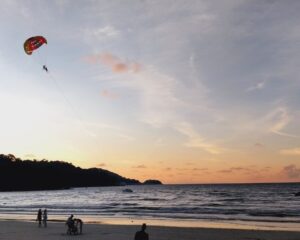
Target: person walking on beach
x=39 y=217
x=142 y=235
x=45 y=218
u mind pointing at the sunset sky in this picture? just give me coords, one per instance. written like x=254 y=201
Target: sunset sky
x=181 y=91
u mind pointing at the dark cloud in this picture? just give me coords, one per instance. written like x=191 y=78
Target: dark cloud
x=246 y=170
x=101 y=165
x=191 y=169
x=258 y=145
x=139 y=166
x=291 y=171
x=238 y=169
x=199 y=169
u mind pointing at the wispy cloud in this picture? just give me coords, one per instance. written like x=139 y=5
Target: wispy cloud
x=113 y=129
x=107 y=31
x=139 y=166
x=160 y=93
x=245 y=170
x=100 y=33
x=291 y=151
x=279 y=119
x=195 y=140
x=258 y=86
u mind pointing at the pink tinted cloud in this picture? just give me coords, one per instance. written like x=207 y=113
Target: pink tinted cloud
x=116 y=64
x=108 y=94
x=92 y=59
x=120 y=68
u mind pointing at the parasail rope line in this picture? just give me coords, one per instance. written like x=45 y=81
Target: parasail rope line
x=74 y=110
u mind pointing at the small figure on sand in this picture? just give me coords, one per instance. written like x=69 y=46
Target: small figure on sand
x=39 y=217
x=142 y=235
x=45 y=218
x=73 y=224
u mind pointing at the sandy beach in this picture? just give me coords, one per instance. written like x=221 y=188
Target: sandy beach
x=20 y=230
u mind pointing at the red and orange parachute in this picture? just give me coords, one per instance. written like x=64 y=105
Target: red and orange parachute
x=33 y=43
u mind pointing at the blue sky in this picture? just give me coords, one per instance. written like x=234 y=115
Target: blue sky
x=198 y=87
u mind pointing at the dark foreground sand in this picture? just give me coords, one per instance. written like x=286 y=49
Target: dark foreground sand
x=15 y=230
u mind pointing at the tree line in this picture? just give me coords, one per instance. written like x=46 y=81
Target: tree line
x=24 y=175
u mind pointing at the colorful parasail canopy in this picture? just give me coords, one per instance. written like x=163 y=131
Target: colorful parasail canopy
x=33 y=43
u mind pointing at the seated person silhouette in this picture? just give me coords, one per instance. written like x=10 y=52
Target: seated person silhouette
x=72 y=228
x=141 y=235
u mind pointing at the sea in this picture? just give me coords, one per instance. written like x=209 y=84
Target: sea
x=250 y=206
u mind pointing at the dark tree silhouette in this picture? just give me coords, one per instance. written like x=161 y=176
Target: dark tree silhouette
x=152 y=182
x=23 y=175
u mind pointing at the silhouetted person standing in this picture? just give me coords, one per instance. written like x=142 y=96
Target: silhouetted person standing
x=142 y=235
x=39 y=217
x=45 y=217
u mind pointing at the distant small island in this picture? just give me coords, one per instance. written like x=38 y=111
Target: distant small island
x=29 y=175
x=152 y=182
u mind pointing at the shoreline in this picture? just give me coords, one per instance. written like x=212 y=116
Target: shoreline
x=23 y=230
x=177 y=223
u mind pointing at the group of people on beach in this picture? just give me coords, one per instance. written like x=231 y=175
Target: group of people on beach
x=42 y=216
x=75 y=225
